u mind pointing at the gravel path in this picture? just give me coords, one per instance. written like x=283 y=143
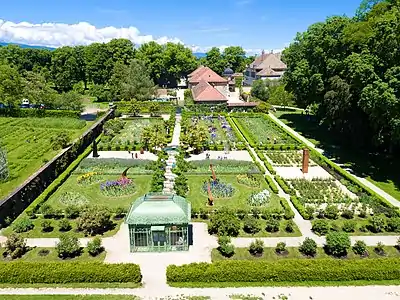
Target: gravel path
x=293 y=293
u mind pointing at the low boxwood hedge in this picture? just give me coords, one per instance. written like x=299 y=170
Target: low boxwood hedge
x=271 y=184
x=67 y=272
x=284 y=186
x=288 y=213
x=300 y=208
x=291 y=270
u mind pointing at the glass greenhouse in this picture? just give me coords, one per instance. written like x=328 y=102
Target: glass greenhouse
x=159 y=222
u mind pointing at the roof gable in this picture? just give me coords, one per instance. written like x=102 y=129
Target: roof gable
x=205 y=73
x=268 y=60
x=154 y=209
x=205 y=92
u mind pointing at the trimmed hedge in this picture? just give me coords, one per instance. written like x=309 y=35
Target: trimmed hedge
x=39 y=113
x=291 y=270
x=300 y=208
x=235 y=129
x=244 y=133
x=68 y=272
x=271 y=184
x=165 y=107
x=289 y=214
x=284 y=186
x=35 y=205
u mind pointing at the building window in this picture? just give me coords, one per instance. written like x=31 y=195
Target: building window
x=178 y=237
x=140 y=237
x=253 y=74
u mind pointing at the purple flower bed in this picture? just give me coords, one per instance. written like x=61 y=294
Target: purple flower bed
x=118 y=187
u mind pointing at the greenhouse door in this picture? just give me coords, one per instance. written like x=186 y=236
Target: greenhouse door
x=159 y=237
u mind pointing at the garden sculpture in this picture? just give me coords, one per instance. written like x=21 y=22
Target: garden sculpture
x=210 y=197
x=306 y=158
x=123 y=175
x=95 y=154
x=213 y=173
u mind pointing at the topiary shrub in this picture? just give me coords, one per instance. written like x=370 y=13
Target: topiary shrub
x=377 y=224
x=225 y=246
x=360 y=248
x=94 y=220
x=379 y=249
x=251 y=225
x=23 y=224
x=68 y=246
x=15 y=246
x=95 y=247
x=272 y=225
x=308 y=247
x=289 y=226
x=224 y=222
x=64 y=225
x=348 y=214
x=337 y=243
x=349 y=226
x=281 y=248
x=46 y=226
x=320 y=227
x=256 y=247
x=331 y=212
x=72 y=211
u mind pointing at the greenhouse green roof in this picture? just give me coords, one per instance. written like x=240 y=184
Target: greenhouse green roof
x=159 y=209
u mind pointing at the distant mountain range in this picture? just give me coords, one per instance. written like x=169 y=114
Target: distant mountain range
x=197 y=54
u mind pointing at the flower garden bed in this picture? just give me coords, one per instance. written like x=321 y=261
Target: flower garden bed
x=286 y=158
x=261 y=132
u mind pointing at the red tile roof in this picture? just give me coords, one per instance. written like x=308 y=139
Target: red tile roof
x=205 y=92
x=205 y=73
x=243 y=104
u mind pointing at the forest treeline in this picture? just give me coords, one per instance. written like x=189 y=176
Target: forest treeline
x=348 y=71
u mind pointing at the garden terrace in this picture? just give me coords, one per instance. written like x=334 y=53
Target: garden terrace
x=130 y=136
x=286 y=158
x=219 y=130
x=96 y=183
x=223 y=167
x=263 y=133
x=28 y=144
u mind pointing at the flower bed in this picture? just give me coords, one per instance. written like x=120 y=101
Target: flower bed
x=116 y=188
x=249 y=180
x=73 y=198
x=260 y=199
x=223 y=167
x=218 y=188
x=88 y=178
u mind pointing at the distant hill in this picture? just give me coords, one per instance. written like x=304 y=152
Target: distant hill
x=26 y=46
x=199 y=54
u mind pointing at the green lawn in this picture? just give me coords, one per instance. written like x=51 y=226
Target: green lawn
x=379 y=168
x=67 y=297
x=198 y=197
x=93 y=194
x=293 y=252
x=263 y=130
x=34 y=256
x=28 y=146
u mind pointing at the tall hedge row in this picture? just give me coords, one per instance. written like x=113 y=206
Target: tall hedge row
x=66 y=272
x=39 y=113
x=296 y=270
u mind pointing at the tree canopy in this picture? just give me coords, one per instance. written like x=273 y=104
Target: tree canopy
x=348 y=68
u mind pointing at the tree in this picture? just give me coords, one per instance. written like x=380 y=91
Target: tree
x=68 y=246
x=154 y=108
x=234 y=57
x=279 y=96
x=259 y=90
x=67 y=67
x=151 y=54
x=10 y=85
x=308 y=247
x=99 y=63
x=101 y=92
x=134 y=108
x=224 y=222
x=94 y=220
x=37 y=90
x=337 y=243
x=132 y=81
x=15 y=246
x=321 y=227
x=215 y=60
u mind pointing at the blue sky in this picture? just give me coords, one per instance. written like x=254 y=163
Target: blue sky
x=252 y=24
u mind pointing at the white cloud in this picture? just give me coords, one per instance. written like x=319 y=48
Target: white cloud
x=59 y=34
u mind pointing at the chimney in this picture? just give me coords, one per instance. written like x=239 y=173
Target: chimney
x=306 y=158
x=262 y=55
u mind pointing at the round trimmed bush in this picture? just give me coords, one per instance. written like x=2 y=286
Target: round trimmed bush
x=337 y=243
x=360 y=248
x=331 y=212
x=251 y=225
x=272 y=225
x=349 y=226
x=320 y=227
x=22 y=225
x=308 y=247
x=256 y=247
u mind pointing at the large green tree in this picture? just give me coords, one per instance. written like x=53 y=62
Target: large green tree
x=11 y=85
